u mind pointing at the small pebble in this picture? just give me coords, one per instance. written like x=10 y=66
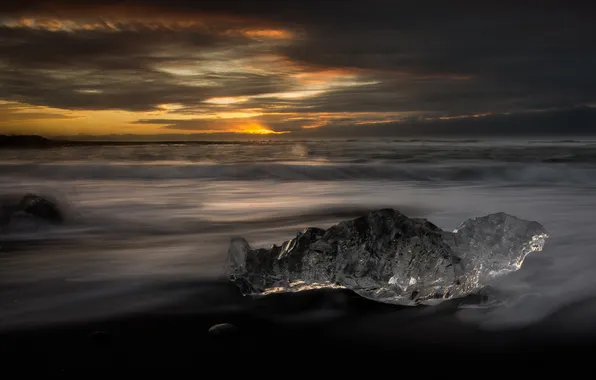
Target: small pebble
x=222 y=329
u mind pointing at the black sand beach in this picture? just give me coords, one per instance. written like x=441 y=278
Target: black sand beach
x=312 y=324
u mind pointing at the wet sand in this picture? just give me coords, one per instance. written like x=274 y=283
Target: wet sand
x=310 y=324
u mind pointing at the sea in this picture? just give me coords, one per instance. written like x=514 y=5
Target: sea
x=142 y=216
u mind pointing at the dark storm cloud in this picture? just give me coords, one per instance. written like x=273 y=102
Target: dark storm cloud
x=187 y=125
x=577 y=121
x=515 y=57
x=101 y=49
x=125 y=90
x=435 y=58
x=70 y=91
x=127 y=70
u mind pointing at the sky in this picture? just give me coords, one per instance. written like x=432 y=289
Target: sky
x=222 y=69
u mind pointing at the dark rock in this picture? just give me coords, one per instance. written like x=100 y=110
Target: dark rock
x=24 y=141
x=41 y=208
x=28 y=213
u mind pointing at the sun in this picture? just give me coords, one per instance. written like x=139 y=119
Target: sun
x=257 y=129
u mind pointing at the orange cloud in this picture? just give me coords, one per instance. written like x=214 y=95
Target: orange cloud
x=269 y=33
x=224 y=101
x=75 y=16
x=314 y=125
x=108 y=24
x=464 y=116
x=384 y=121
x=81 y=9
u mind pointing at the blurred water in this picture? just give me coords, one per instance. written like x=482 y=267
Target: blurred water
x=139 y=219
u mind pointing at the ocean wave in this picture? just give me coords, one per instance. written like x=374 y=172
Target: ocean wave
x=460 y=171
x=394 y=152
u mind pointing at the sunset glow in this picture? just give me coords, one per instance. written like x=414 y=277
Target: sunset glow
x=255 y=129
x=88 y=68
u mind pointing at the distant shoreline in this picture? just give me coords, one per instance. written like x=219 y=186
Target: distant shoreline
x=37 y=142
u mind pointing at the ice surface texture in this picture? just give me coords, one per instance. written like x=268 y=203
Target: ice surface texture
x=387 y=257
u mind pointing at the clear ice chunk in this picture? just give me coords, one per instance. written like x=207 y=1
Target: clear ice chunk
x=387 y=257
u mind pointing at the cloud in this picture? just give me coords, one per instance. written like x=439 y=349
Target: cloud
x=15 y=112
x=576 y=121
x=310 y=67
x=510 y=58
x=234 y=125
x=96 y=63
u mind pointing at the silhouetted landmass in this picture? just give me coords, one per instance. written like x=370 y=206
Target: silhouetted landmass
x=24 y=141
